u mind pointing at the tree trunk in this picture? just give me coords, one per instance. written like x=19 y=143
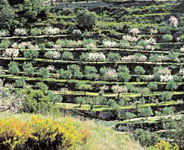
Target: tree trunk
x=91 y=107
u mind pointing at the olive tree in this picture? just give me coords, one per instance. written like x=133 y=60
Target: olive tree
x=44 y=72
x=31 y=54
x=80 y=100
x=90 y=72
x=7 y=15
x=86 y=20
x=146 y=112
x=129 y=115
x=13 y=68
x=28 y=68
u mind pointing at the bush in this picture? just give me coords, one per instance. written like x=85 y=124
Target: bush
x=129 y=115
x=6 y=15
x=20 y=83
x=64 y=74
x=171 y=85
x=33 y=9
x=36 y=31
x=80 y=100
x=67 y=56
x=143 y=43
x=164 y=145
x=146 y=112
x=75 y=70
x=113 y=57
x=165 y=29
x=168 y=111
x=139 y=70
x=173 y=56
x=55 y=98
x=152 y=86
x=167 y=37
x=37 y=102
x=86 y=20
x=145 y=138
x=111 y=103
x=28 y=68
x=31 y=54
x=13 y=68
x=124 y=77
x=42 y=86
x=44 y=72
x=39 y=133
x=4 y=44
x=166 y=96
x=91 y=72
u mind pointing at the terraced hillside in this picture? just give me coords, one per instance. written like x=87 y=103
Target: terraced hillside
x=120 y=61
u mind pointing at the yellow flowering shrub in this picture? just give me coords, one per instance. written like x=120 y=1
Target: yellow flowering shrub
x=164 y=145
x=39 y=134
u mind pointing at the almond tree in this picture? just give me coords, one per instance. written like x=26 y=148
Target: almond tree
x=11 y=53
x=52 y=55
x=119 y=89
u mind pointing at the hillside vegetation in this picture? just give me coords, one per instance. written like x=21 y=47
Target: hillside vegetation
x=118 y=62
x=38 y=132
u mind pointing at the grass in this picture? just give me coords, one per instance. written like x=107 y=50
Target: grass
x=154 y=119
x=98 y=108
x=100 y=137
x=89 y=63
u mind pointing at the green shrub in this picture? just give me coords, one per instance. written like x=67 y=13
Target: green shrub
x=4 y=44
x=37 y=102
x=139 y=70
x=111 y=103
x=55 y=98
x=33 y=9
x=146 y=112
x=165 y=29
x=67 y=56
x=86 y=20
x=20 y=83
x=64 y=74
x=75 y=70
x=44 y=72
x=143 y=43
x=80 y=100
x=171 y=85
x=124 y=76
x=35 y=31
x=166 y=96
x=129 y=115
x=28 y=68
x=124 y=44
x=152 y=86
x=91 y=72
x=167 y=37
x=42 y=86
x=31 y=54
x=6 y=15
x=113 y=57
x=168 y=111
x=13 y=68
x=146 y=138
x=173 y=56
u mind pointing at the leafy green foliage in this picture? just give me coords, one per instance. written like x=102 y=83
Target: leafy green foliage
x=37 y=102
x=13 y=68
x=6 y=15
x=86 y=20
